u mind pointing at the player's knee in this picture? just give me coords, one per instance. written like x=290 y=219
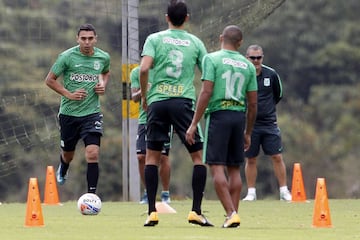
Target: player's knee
x=92 y=154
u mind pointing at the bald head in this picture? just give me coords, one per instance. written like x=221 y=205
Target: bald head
x=232 y=35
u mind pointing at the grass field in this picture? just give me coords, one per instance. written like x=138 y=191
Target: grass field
x=263 y=219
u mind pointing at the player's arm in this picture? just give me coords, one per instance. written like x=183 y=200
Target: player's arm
x=135 y=94
x=201 y=105
x=145 y=65
x=250 y=116
x=51 y=82
x=103 y=81
x=277 y=88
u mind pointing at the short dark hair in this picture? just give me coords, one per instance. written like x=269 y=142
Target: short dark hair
x=232 y=34
x=177 y=12
x=86 y=27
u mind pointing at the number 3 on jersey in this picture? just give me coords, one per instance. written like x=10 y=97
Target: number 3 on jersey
x=176 y=57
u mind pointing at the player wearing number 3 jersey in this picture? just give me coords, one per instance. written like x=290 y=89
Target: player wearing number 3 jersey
x=173 y=55
x=177 y=52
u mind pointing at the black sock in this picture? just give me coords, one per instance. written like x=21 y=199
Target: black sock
x=64 y=166
x=151 y=182
x=198 y=186
x=92 y=176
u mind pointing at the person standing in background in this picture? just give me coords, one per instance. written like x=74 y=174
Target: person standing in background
x=86 y=71
x=266 y=132
x=228 y=96
x=141 y=143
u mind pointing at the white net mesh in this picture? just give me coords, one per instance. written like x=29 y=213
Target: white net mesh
x=33 y=32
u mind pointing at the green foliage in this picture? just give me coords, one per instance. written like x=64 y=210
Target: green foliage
x=312 y=44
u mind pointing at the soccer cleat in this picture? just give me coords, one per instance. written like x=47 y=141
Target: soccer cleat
x=232 y=221
x=201 y=220
x=285 y=196
x=152 y=220
x=144 y=199
x=165 y=197
x=250 y=197
x=60 y=179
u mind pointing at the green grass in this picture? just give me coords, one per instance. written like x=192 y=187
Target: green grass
x=263 y=219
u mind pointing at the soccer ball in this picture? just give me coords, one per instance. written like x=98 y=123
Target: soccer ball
x=89 y=204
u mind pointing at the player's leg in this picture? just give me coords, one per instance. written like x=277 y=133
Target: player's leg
x=251 y=166
x=141 y=154
x=157 y=134
x=69 y=137
x=181 y=124
x=165 y=170
x=92 y=159
x=91 y=133
x=272 y=146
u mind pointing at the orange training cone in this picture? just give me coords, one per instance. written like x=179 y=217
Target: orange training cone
x=34 y=216
x=297 y=190
x=51 y=195
x=321 y=216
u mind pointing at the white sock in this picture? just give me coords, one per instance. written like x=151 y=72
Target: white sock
x=252 y=191
x=284 y=189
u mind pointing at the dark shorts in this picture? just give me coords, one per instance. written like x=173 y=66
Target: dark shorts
x=224 y=138
x=141 y=141
x=177 y=112
x=89 y=128
x=269 y=138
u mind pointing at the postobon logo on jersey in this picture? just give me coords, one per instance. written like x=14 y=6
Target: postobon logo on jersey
x=96 y=65
x=84 y=77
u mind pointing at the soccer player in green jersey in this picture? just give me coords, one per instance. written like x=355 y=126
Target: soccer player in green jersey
x=141 y=144
x=228 y=98
x=85 y=72
x=172 y=55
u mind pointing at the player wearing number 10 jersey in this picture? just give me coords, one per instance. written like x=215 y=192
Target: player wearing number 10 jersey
x=173 y=55
x=229 y=93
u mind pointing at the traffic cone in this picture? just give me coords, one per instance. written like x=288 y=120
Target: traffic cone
x=297 y=189
x=162 y=207
x=34 y=216
x=51 y=195
x=321 y=216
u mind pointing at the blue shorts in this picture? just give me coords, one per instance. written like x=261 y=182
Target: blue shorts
x=141 y=141
x=268 y=137
x=72 y=129
x=224 y=138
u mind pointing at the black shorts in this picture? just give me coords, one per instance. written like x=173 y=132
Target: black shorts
x=141 y=141
x=162 y=114
x=224 y=138
x=268 y=137
x=89 y=128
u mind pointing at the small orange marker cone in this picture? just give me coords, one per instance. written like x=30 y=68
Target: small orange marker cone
x=321 y=216
x=34 y=216
x=297 y=189
x=51 y=195
x=162 y=207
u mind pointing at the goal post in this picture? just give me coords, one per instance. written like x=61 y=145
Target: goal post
x=130 y=109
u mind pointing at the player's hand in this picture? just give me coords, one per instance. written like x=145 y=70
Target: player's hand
x=190 y=134
x=144 y=103
x=247 y=142
x=100 y=86
x=78 y=95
